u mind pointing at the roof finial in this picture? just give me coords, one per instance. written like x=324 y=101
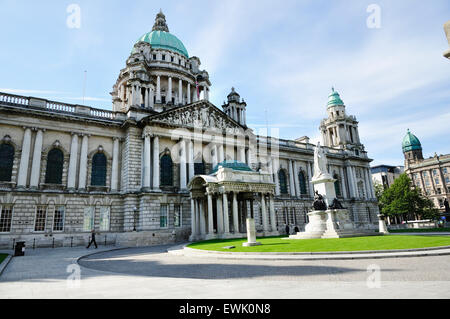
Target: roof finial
x=160 y=22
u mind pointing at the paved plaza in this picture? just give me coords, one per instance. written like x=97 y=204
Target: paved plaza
x=153 y=273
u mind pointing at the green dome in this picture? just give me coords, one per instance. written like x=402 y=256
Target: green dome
x=411 y=143
x=164 y=40
x=334 y=99
x=234 y=165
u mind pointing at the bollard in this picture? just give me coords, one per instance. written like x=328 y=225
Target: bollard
x=14 y=243
x=34 y=243
x=105 y=240
x=71 y=242
x=53 y=244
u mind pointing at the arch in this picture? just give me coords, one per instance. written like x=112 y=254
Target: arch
x=99 y=165
x=302 y=183
x=6 y=162
x=54 y=171
x=282 y=178
x=166 y=170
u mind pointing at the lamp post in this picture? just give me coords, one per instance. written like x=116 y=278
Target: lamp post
x=135 y=210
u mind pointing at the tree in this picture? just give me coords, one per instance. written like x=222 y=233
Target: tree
x=404 y=199
x=379 y=190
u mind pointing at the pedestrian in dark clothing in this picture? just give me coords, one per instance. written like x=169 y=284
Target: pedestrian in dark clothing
x=296 y=230
x=288 y=230
x=92 y=241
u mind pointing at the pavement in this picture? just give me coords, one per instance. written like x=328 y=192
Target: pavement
x=153 y=273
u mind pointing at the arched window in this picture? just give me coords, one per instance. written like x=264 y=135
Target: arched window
x=283 y=182
x=302 y=183
x=337 y=186
x=55 y=161
x=166 y=171
x=6 y=162
x=98 y=176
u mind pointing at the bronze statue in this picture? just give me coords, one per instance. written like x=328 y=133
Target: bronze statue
x=319 y=202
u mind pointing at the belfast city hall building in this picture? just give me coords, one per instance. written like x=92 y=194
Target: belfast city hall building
x=164 y=165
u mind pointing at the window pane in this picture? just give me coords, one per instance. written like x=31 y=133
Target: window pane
x=98 y=177
x=104 y=218
x=55 y=161
x=88 y=223
x=41 y=216
x=283 y=182
x=58 y=220
x=163 y=216
x=6 y=162
x=5 y=219
x=302 y=181
x=166 y=171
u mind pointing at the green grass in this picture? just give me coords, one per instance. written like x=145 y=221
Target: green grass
x=432 y=230
x=2 y=257
x=277 y=244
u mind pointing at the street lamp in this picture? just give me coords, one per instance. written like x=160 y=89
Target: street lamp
x=135 y=210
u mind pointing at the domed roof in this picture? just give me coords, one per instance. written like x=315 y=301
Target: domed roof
x=334 y=99
x=411 y=143
x=234 y=165
x=160 y=37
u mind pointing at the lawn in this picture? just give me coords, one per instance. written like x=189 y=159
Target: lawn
x=277 y=244
x=2 y=257
x=412 y=230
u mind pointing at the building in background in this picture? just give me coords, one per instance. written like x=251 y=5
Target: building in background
x=386 y=174
x=431 y=175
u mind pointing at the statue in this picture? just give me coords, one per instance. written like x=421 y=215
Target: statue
x=336 y=204
x=319 y=202
x=320 y=163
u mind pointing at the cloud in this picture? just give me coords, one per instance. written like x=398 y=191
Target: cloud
x=26 y=91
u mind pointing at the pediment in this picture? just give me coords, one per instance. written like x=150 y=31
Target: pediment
x=204 y=115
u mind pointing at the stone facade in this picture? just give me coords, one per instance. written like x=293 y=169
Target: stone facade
x=151 y=152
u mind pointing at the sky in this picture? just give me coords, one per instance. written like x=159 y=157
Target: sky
x=385 y=58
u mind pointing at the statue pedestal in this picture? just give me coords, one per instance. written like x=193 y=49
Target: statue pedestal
x=382 y=225
x=251 y=234
x=324 y=185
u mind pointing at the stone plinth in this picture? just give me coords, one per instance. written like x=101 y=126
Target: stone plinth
x=382 y=225
x=324 y=185
x=251 y=234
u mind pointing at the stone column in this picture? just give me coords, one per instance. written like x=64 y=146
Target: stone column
x=235 y=214
x=220 y=221
x=367 y=183
x=210 y=215
x=132 y=99
x=146 y=98
x=350 y=182
x=242 y=154
x=226 y=221
x=206 y=93
x=115 y=166
x=158 y=89
x=24 y=159
x=147 y=162
x=275 y=168
x=36 y=165
x=183 y=165
x=151 y=98
x=202 y=218
x=169 y=91
x=82 y=185
x=297 y=182
x=191 y=161
x=193 y=220
x=310 y=184
x=273 y=218
x=291 y=179
x=73 y=162
x=189 y=93
x=372 y=189
x=264 y=213
x=180 y=91
x=156 y=163
x=221 y=157
x=214 y=156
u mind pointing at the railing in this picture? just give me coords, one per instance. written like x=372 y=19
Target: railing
x=56 y=106
x=102 y=113
x=14 y=99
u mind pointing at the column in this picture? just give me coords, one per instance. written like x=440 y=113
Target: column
x=275 y=168
x=220 y=221
x=132 y=99
x=24 y=159
x=158 y=89
x=235 y=214
x=355 y=181
x=195 y=94
x=115 y=166
x=36 y=165
x=226 y=221
x=180 y=91
x=156 y=163
x=210 y=215
x=352 y=185
x=151 y=97
x=83 y=163
x=214 y=156
x=296 y=181
x=273 y=217
x=291 y=179
x=206 y=94
x=264 y=213
x=189 y=93
x=193 y=219
x=310 y=184
x=366 y=182
x=73 y=162
x=183 y=165
x=202 y=218
x=146 y=99
x=249 y=157
x=242 y=154
x=344 y=187
x=372 y=189
x=191 y=161
x=147 y=162
x=169 y=91
x=221 y=157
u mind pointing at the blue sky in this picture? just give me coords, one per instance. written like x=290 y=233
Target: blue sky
x=283 y=57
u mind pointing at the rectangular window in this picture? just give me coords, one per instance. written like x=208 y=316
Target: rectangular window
x=163 y=214
x=88 y=220
x=447 y=180
x=5 y=218
x=177 y=216
x=58 y=219
x=105 y=218
x=154 y=56
x=41 y=217
x=445 y=170
x=435 y=172
x=436 y=181
x=164 y=57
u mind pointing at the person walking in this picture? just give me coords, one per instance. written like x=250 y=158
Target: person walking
x=92 y=240
x=288 y=230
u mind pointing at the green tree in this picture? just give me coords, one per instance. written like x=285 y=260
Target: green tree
x=404 y=199
x=379 y=190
